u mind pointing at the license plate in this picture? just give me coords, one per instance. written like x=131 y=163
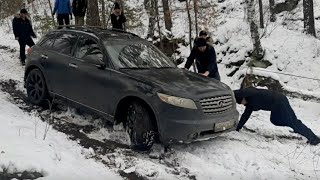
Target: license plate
x=218 y=127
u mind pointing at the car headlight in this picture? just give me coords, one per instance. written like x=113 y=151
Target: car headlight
x=178 y=101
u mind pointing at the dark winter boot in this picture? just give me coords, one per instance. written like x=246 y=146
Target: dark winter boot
x=314 y=141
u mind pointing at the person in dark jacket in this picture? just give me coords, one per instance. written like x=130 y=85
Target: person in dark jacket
x=117 y=17
x=206 y=61
x=204 y=34
x=79 y=8
x=281 y=112
x=23 y=32
x=63 y=9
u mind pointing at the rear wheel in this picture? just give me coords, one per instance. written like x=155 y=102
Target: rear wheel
x=36 y=87
x=140 y=127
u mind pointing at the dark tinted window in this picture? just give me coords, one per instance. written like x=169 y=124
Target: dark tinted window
x=48 y=41
x=89 y=50
x=64 y=43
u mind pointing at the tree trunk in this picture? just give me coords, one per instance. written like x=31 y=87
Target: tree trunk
x=272 y=11
x=190 y=30
x=150 y=6
x=167 y=15
x=158 y=24
x=51 y=11
x=254 y=30
x=261 y=14
x=308 y=15
x=195 y=4
x=93 y=18
x=104 y=13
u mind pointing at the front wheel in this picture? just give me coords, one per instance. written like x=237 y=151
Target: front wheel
x=36 y=87
x=140 y=128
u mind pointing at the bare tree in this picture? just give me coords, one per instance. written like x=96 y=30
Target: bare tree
x=272 y=11
x=254 y=30
x=308 y=15
x=150 y=6
x=93 y=18
x=158 y=24
x=261 y=14
x=196 y=9
x=167 y=14
x=103 y=13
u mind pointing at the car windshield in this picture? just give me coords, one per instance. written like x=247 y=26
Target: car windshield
x=134 y=55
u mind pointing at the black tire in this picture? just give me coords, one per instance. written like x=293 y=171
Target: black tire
x=37 y=90
x=140 y=128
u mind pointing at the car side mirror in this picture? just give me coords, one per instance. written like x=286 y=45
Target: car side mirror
x=178 y=61
x=98 y=62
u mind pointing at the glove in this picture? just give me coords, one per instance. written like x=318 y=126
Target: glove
x=17 y=38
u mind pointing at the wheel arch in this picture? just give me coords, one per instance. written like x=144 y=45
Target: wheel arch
x=124 y=103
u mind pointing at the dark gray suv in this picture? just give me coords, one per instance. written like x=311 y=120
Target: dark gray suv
x=127 y=80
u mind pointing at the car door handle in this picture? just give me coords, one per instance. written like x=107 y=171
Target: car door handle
x=44 y=56
x=73 y=65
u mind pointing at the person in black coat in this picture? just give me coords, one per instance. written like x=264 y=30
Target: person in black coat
x=281 y=112
x=79 y=8
x=23 y=32
x=117 y=18
x=206 y=61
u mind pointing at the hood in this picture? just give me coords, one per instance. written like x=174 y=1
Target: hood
x=179 y=82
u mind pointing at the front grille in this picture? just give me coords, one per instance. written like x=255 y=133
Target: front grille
x=216 y=105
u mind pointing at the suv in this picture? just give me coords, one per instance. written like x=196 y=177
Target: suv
x=128 y=80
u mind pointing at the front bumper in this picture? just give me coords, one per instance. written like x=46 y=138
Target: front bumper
x=186 y=125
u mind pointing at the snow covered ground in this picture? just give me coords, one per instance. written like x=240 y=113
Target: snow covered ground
x=262 y=151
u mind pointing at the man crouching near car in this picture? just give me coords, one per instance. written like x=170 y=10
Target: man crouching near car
x=206 y=61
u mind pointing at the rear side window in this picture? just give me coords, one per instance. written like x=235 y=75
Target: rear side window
x=47 y=41
x=64 y=43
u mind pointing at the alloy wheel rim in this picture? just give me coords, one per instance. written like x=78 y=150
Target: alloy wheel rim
x=35 y=87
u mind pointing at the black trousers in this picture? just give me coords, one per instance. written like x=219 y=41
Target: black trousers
x=23 y=42
x=63 y=19
x=283 y=115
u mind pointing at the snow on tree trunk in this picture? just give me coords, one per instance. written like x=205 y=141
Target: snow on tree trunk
x=254 y=30
x=272 y=11
x=167 y=14
x=150 y=6
x=308 y=14
x=195 y=2
x=104 y=13
x=93 y=18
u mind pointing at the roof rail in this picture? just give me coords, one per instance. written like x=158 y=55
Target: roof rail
x=93 y=28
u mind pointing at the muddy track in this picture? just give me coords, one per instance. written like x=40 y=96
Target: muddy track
x=79 y=133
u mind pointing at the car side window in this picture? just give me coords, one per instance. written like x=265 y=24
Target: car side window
x=89 y=51
x=64 y=43
x=48 y=41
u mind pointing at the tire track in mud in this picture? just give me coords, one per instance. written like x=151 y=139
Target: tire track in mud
x=105 y=152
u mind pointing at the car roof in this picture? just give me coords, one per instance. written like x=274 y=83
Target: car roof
x=99 y=32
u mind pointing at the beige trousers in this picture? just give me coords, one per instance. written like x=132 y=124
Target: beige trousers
x=79 y=21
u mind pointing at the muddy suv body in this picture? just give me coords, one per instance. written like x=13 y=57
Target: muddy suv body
x=126 y=79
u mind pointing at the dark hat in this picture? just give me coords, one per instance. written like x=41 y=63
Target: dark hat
x=116 y=5
x=23 y=11
x=200 y=42
x=203 y=33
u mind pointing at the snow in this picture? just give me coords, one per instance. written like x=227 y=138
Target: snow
x=24 y=149
x=264 y=151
